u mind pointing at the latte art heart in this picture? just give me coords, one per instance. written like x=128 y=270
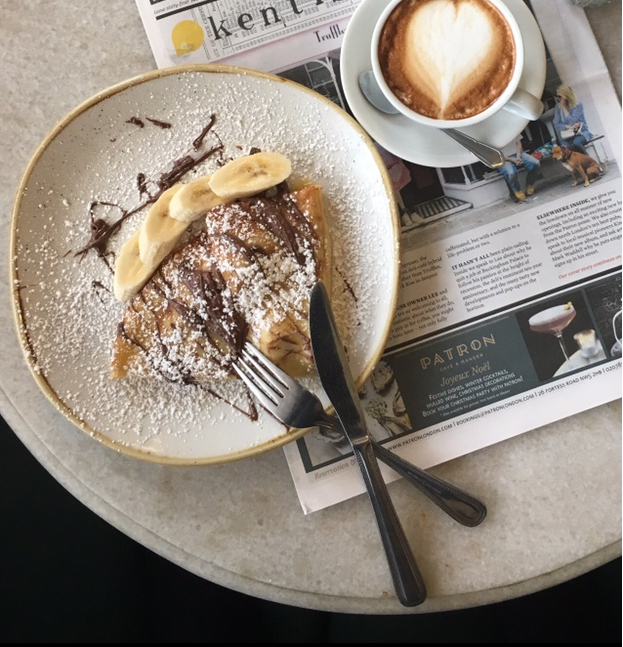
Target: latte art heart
x=447 y=59
x=446 y=47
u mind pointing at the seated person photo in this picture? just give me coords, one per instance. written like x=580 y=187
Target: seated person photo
x=569 y=121
x=515 y=158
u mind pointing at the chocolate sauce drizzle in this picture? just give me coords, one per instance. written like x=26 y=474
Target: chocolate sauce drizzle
x=215 y=318
x=141 y=185
x=102 y=231
x=161 y=124
x=98 y=288
x=217 y=314
x=136 y=121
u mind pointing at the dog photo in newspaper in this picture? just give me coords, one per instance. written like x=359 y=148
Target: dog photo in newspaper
x=582 y=167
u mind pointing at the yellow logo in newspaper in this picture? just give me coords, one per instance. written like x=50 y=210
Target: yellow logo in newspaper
x=187 y=36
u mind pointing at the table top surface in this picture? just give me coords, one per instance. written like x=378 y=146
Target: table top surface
x=553 y=511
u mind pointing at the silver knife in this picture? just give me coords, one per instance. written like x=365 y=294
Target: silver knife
x=337 y=381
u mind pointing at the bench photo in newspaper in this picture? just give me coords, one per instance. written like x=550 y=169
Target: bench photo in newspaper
x=509 y=310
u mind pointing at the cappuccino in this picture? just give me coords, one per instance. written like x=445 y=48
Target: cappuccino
x=447 y=59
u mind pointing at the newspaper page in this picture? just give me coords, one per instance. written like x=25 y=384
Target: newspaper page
x=509 y=311
x=243 y=33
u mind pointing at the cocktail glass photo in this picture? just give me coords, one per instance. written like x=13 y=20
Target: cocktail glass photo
x=553 y=321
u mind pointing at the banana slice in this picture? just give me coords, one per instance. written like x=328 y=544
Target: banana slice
x=160 y=233
x=131 y=273
x=193 y=200
x=250 y=175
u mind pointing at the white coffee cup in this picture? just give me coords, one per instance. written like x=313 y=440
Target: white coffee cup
x=436 y=20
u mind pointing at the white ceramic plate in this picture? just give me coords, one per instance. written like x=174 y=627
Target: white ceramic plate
x=65 y=312
x=420 y=144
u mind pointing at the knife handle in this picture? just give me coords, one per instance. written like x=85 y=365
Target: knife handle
x=460 y=505
x=405 y=573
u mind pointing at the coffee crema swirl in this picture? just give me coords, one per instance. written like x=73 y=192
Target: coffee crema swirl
x=447 y=59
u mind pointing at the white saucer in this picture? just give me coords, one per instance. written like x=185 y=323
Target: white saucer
x=420 y=144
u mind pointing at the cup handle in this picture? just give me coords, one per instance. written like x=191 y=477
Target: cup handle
x=526 y=105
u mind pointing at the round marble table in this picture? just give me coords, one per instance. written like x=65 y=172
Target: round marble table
x=553 y=494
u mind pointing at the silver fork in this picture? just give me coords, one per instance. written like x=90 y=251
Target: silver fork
x=297 y=407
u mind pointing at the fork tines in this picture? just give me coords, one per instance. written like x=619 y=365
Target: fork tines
x=264 y=379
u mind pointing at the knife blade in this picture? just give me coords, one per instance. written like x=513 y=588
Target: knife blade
x=337 y=381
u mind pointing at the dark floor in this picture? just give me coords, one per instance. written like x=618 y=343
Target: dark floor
x=68 y=576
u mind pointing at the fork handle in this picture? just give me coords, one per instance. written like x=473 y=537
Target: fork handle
x=405 y=573
x=460 y=505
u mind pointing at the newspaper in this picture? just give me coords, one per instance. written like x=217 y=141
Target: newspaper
x=254 y=33
x=509 y=313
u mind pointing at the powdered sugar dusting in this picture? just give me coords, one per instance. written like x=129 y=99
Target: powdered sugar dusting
x=68 y=309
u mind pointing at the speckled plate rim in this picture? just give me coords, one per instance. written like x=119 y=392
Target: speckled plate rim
x=290 y=434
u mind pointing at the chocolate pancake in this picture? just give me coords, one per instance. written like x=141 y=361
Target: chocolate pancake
x=246 y=275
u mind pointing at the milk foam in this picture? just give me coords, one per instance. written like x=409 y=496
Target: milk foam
x=447 y=59
x=446 y=45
